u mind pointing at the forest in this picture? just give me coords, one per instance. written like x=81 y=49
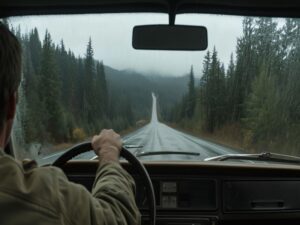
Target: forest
x=56 y=103
x=256 y=101
x=253 y=104
x=65 y=98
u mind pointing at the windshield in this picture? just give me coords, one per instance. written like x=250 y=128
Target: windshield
x=81 y=74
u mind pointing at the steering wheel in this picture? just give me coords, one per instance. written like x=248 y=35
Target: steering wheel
x=138 y=166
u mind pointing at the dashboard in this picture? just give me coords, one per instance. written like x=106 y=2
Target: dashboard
x=210 y=193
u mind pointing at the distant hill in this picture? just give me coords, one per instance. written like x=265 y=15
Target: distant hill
x=138 y=87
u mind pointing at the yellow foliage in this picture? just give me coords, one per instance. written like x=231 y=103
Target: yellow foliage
x=78 y=134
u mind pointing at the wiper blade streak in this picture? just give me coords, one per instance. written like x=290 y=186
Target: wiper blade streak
x=167 y=153
x=265 y=156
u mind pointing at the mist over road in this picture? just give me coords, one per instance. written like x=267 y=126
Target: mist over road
x=157 y=136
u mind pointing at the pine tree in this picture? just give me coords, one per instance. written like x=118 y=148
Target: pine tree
x=246 y=68
x=49 y=88
x=35 y=47
x=191 y=95
x=89 y=86
x=30 y=88
x=230 y=89
x=261 y=121
x=101 y=89
x=203 y=92
x=104 y=90
x=221 y=96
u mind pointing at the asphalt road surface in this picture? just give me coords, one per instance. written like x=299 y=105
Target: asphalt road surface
x=158 y=137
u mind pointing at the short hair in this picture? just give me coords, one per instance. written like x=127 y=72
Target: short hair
x=10 y=68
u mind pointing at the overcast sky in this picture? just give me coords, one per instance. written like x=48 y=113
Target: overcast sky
x=112 y=33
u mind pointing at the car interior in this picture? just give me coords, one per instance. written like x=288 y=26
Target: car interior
x=177 y=192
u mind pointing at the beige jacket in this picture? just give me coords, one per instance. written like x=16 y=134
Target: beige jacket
x=45 y=196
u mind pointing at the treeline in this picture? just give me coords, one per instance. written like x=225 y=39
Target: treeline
x=260 y=91
x=65 y=98
x=138 y=87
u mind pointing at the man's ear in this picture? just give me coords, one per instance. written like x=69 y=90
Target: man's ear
x=11 y=106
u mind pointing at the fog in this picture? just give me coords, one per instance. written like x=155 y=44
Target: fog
x=111 y=36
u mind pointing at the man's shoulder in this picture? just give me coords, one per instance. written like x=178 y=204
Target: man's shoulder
x=29 y=168
x=29 y=183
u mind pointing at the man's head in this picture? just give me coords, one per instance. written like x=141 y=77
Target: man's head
x=10 y=76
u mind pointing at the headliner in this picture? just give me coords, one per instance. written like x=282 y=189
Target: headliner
x=278 y=8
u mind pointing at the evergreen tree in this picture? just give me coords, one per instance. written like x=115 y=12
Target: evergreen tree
x=35 y=48
x=212 y=90
x=229 y=89
x=30 y=88
x=49 y=92
x=246 y=68
x=261 y=121
x=101 y=89
x=191 y=96
x=221 y=96
x=89 y=87
x=203 y=108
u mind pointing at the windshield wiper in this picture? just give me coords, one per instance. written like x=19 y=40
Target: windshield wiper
x=265 y=156
x=133 y=146
x=167 y=153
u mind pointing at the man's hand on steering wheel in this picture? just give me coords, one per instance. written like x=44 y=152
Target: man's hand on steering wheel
x=107 y=145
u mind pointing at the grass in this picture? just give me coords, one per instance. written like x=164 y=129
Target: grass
x=233 y=136
x=229 y=135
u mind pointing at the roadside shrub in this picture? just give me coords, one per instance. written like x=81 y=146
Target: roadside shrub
x=78 y=134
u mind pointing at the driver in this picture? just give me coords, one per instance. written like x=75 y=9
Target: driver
x=31 y=195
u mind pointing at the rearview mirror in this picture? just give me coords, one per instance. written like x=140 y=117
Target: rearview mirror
x=170 y=37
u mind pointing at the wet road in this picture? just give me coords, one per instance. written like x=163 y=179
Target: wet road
x=157 y=136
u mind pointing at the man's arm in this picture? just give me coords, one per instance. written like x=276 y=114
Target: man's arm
x=112 y=200
x=117 y=187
